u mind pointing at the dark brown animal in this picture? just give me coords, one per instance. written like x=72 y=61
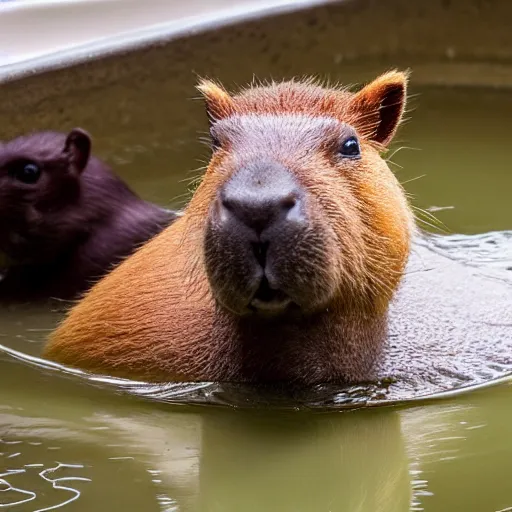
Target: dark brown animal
x=285 y=261
x=65 y=217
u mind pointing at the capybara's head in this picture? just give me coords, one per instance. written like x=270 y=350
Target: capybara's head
x=303 y=212
x=39 y=185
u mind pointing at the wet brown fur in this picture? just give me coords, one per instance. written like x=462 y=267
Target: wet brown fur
x=155 y=317
x=74 y=224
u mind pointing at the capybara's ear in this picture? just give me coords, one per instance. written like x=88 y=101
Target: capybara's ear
x=78 y=148
x=377 y=109
x=219 y=103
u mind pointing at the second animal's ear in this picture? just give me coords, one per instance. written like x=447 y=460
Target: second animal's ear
x=78 y=148
x=219 y=103
x=377 y=109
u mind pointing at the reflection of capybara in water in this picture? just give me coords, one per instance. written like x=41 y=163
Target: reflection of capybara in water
x=285 y=261
x=65 y=218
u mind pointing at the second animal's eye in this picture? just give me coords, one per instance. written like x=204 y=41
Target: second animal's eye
x=350 y=148
x=26 y=172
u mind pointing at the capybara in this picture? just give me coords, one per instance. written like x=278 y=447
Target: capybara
x=65 y=217
x=285 y=260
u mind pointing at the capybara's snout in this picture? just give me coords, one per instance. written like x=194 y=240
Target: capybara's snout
x=256 y=223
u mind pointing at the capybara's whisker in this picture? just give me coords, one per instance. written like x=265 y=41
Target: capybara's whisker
x=413 y=179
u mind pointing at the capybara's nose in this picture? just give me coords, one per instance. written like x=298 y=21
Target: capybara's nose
x=260 y=212
x=263 y=196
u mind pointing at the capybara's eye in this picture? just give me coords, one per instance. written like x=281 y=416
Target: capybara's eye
x=26 y=172
x=350 y=148
x=215 y=142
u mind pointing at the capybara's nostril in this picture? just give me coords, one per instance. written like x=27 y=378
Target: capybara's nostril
x=259 y=210
x=260 y=195
x=289 y=201
x=227 y=203
x=234 y=204
x=259 y=213
x=237 y=205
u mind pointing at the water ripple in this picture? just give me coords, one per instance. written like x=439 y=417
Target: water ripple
x=473 y=258
x=12 y=495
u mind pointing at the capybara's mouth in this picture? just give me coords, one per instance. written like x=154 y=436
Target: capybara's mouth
x=269 y=301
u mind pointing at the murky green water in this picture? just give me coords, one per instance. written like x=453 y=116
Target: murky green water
x=69 y=444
